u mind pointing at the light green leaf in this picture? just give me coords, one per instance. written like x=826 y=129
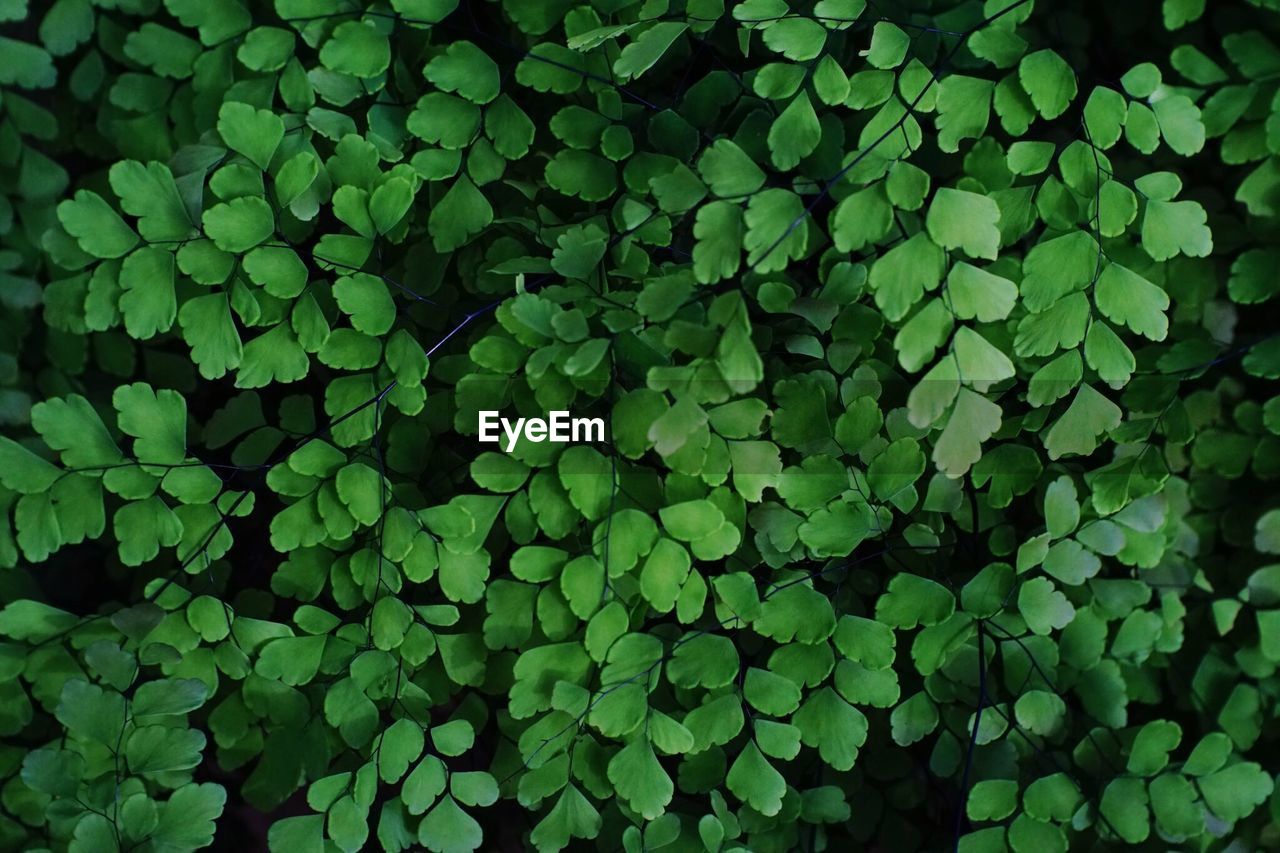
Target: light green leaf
x=1125 y=297
x=641 y=55
x=966 y=221
x=1049 y=81
x=466 y=70
x=640 y=780
x=254 y=133
x=1089 y=416
x=794 y=134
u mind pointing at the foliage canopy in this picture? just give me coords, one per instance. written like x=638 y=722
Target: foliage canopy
x=938 y=507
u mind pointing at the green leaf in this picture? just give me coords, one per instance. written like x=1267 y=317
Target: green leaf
x=830 y=81
x=1180 y=124
x=449 y=829
x=56 y=772
x=368 y=302
x=25 y=472
x=1125 y=297
x=861 y=219
x=640 y=780
x=304 y=833
x=462 y=214
x=97 y=228
x=156 y=749
x=1150 y=751
x=931 y=397
x=453 y=738
x=1054 y=268
x=425 y=11
x=642 y=53
x=964 y=108
x=691 y=520
x=1124 y=805
x=582 y=583
x=1172 y=228
x=911 y=600
x=589 y=480
x=975 y=293
x=756 y=782
x=833 y=726
x=756 y=465
x=266 y=49
x=209 y=329
x=898 y=466
x=1061 y=326
x=974 y=419
x=573 y=816
x=445 y=120
x=913 y=719
x=1173 y=802
x=888 y=45
x=729 y=171
x=577 y=255
x=581 y=174
x=1233 y=793
x=187 y=820
x=89 y=712
x=273 y=356
x=980 y=363
x=719 y=232
x=1048 y=81
x=1266 y=536
x=664 y=574
x=356 y=48
x=1043 y=607
x=1142 y=80
x=707 y=660
x=400 y=746
x=166 y=697
x=966 y=221
x=143 y=527
x=279 y=270
x=992 y=799
x=240 y=224
x=1251 y=281
x=1104 y=116
x=866 y=641
x=776 y=229
x=156 y=419
x=296 y=176
x=254 y=133
x=1108 y=355
x=1089 y=416
x=798 y=39
x=292 y=660
x=149 y=302
x=167 y=52
x=150 y=193
x=466 y=70
x=900 y=276
x=29 y=66
x=794 y=134
x=389 y=203
x=770 y=693
x=1061 y=508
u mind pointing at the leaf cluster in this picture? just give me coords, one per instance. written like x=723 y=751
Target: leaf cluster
x=938 y=504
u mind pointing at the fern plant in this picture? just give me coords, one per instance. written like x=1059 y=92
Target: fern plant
x=937 y=504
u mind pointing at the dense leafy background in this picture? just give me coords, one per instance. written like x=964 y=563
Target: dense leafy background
x=939 y=504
